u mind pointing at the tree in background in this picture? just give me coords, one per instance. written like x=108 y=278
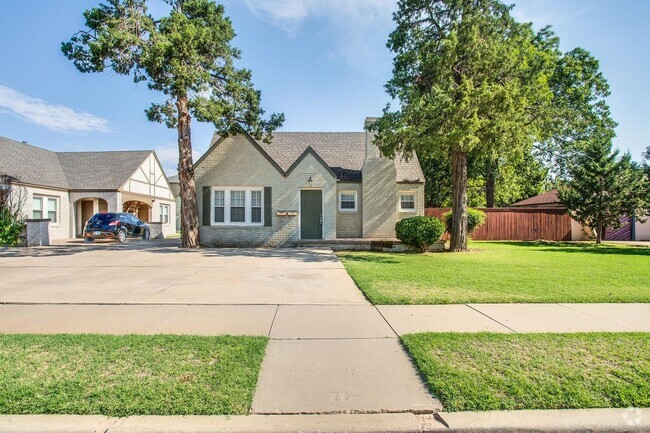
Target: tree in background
x=469 y=80
x=600 y=187
x=12 y=219
x=188 y=57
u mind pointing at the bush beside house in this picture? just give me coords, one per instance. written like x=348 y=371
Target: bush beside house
x=419 y=231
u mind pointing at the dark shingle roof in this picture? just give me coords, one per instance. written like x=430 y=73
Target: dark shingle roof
x=68 y=170
x=547 y=199
x=173 y=179
x=100 y=170
x=343 y=152
x=31 y=164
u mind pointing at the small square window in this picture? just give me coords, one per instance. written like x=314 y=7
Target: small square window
x=348 y=201
x=407 y=202
x=164 y=213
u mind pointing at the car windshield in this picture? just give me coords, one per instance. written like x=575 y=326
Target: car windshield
x=103 y=217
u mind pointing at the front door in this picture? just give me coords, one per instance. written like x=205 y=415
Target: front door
x=87 y=211
x=311 y=214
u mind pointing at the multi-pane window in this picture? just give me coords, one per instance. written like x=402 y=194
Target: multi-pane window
x=237 y=206
x=256 y=206
x=348 y=201
x=164 y=213
x=407 y=202
x=219 y=206
x=46 y=207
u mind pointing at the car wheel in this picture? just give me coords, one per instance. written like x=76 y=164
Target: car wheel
x=146 y=235
x=121 y=236
x=89 y=240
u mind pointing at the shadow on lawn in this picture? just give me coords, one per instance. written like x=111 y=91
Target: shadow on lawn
x=369 y=258
x=576 y=247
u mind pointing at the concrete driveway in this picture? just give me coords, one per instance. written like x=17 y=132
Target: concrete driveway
x=158 y=272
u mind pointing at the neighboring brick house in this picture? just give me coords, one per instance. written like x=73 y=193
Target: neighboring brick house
x=69 y=187
x=303 y=185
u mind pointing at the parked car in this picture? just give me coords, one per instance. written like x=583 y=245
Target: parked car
x=118 y=226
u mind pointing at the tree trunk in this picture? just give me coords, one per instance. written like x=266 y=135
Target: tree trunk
x=459 y=202
x=599 y=231
x=189 y=208
x=489 y=184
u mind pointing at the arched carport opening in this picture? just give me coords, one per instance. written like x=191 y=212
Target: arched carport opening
x=140 y=209
x=85 y=208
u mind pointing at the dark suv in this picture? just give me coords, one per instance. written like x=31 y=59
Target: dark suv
x=116 y=226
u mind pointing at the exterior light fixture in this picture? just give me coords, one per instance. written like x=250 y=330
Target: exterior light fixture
x=311 y=181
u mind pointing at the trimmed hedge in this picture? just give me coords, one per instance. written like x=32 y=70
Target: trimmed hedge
x=475 y=218
x=419 y=231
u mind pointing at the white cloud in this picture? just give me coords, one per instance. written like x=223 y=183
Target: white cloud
x=551 y=12
x=360 y=27
x=168 y=156
x=54 y=117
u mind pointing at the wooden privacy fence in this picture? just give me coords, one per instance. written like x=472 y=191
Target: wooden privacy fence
x=518 y=224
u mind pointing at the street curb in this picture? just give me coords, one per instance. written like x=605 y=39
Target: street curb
x=540 y=421
x=525 y=421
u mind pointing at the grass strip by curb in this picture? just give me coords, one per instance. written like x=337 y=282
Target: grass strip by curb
x=505 y=272
x=128 y=375
x=481 y=372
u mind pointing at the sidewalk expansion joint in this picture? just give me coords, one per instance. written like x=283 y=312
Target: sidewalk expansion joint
x=277 y=307
x=387 y=322
x=491 y=318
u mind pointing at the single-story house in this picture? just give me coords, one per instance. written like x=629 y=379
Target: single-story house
x=69 y=187
x=631 y=230
x=303 y=186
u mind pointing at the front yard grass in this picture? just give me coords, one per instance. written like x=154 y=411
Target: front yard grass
x=128 y=375
x=480 y=372
x=495 y=272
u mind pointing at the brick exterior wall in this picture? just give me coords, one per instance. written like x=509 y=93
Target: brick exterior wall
x=379 y=198
x=236 y=162
x=349 y=224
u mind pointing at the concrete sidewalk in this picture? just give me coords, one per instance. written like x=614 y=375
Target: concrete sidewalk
x=300 y=322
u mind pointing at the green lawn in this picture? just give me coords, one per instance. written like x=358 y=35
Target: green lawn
x=505 y=272
x=127 y=375
x=480 y=372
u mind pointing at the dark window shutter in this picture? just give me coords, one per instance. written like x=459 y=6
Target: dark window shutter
x=206 y=205
x=268 y=208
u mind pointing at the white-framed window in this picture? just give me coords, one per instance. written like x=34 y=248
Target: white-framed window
x=46 y=207
x=407 y=201
x=164 y=213
x=348 y=201
x=237 y=206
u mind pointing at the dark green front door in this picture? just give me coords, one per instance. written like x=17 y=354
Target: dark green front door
x=311 y=214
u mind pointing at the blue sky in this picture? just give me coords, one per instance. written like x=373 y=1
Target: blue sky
x=321 y=62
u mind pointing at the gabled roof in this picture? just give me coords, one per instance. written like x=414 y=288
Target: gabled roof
x=101 y=170
x=31 y=164
x=68 y=170
x=343 y=152
x=547 y=199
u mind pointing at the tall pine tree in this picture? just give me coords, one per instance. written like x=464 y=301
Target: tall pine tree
x=600 y=187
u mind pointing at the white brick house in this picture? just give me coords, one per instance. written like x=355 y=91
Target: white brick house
x=303 y=186
x=69 y=187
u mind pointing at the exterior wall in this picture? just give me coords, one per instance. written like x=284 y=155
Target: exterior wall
x=176 y=190
x=62 y=229
x=379 y=198
x=149 y=180
x=236 y=162
x=578 y=233
x=349 y=224
x=642 y=230
x=169 y=228
x=418 y=189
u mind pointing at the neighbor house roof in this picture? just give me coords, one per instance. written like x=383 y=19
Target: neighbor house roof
x=548 y=199
x=68 y=170
x=343 y=152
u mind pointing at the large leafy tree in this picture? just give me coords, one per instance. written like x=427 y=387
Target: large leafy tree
x=601 y=187
x=188 y=57
x=469 y=80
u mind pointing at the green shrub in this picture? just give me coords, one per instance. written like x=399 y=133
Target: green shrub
x=11 y=229
x=475 y=218
x=419 y=231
